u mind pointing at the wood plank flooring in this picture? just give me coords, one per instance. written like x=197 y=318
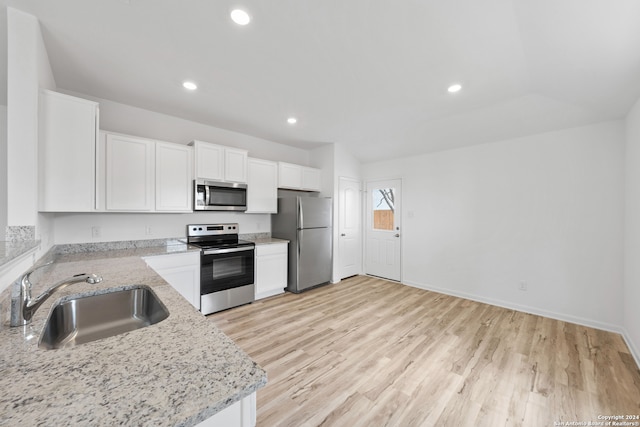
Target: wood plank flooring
x=368 y=352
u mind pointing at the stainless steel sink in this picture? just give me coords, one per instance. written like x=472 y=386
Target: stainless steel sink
x=89 y=318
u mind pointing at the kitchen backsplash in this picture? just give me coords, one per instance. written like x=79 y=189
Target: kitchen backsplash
x=254 y=236
x=18 y=233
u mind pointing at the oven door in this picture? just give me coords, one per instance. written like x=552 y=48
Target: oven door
x=228 y=268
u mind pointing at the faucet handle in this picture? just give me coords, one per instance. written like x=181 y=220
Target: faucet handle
x=25 y=277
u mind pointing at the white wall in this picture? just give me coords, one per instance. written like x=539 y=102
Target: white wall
x=28 y=70
x=335 y=161
x=122 y=118
x=545 y=209
x=632 y=232
x=3 y=170
x=76 y=227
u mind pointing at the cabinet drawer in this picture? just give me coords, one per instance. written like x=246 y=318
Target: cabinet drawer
x=271 y=249
x=168 y=261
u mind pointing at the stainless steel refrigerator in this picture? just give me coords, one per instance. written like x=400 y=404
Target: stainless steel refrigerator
x=306 y=223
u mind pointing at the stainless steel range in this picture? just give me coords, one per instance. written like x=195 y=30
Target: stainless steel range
x=226 y=266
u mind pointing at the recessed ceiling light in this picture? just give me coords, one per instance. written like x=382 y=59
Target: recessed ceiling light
x=240 y=17
x=190 y=85
x=454 y=88
x=292 y=120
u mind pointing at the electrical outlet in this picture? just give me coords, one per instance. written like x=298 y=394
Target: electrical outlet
x=147 y=230
x=95 y=231
x=522 y=286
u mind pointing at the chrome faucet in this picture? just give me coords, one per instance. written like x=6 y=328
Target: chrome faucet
x=23 y=306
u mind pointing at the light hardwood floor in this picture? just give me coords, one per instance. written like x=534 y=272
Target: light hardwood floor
x=368 y=352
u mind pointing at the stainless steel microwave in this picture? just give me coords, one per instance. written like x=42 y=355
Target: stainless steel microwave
x=219 y=196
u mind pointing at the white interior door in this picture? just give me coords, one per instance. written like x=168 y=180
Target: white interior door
x=383 y=231
x=349 y=228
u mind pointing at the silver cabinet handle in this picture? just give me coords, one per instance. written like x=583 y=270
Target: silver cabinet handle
x=397 y=235
x=343 y=234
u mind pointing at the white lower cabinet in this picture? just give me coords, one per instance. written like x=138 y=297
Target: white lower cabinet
x=241 y=414
x=181 y=271
x=271 y=269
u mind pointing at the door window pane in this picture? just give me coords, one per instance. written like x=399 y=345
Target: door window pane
x=383 y=208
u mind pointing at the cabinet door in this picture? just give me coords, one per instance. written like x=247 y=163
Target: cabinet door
x=262 y=186
x=210 y=160
x=235 y=165
x=174 y=185
x=310 y=179
x=66 y=153
x=129 y=173
x=239 y=414
x=271 y=269
x=182 y=272
x=289 y=176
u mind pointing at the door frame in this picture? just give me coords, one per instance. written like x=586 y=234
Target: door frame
x=361 y=193
x=365 y=214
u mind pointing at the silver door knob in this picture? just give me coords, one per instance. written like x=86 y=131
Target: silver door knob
x=397 y=235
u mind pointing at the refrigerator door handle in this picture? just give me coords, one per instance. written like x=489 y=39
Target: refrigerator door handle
x=300 y=214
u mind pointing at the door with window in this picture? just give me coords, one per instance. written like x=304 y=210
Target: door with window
x=383 y=231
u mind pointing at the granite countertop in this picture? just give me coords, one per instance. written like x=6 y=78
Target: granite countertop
x=261 y=238
x=268 y=241
x=175 y=373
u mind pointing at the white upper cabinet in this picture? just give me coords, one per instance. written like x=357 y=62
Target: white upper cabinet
x=235 y=165
x=311 y=179
x=174 y=188
x=289 y=176
x=209 y=160
x=219 y=163
x=143 y=175
x=296 y=177
x=68 y=129
x=262 y=186
x=129 y=173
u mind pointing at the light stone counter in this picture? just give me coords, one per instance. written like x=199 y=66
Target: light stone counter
x=262 y=238
x=269 y=241
x=175 y=373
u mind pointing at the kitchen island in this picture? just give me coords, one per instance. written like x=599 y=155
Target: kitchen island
x=178 y=372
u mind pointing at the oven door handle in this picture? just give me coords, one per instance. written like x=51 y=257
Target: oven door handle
x=227 y=251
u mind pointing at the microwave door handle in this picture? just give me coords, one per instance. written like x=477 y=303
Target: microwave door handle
x=207 y=195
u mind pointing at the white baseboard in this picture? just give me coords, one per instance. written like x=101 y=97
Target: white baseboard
x=523 y=308
x=635 y=352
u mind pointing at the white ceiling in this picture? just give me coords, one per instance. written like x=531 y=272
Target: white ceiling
x=369 y=74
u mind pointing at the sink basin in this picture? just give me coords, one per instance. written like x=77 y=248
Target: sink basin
x=88 y=318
